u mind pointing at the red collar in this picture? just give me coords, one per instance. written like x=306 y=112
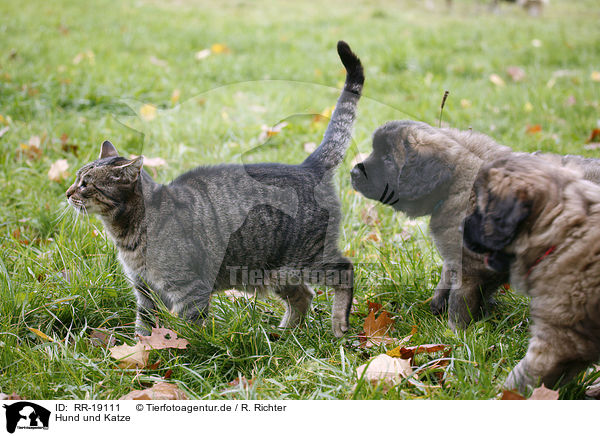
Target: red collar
x=539 y=259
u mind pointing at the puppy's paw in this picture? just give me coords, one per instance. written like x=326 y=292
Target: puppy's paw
x=439 y=302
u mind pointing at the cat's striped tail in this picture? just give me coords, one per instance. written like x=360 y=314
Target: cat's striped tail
x=339 y=131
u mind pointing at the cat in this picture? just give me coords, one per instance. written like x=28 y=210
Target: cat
x=261 y=226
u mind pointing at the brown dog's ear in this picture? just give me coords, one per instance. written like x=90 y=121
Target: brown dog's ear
x=421 y=175
x=107 y=150
x=501 y=220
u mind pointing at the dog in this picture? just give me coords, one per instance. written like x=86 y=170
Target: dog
x=421 y=170
x=543 y=219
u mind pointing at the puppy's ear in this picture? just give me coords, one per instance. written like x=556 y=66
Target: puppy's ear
x=421 y=175
x=502 y=218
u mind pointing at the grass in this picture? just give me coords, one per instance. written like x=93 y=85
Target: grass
x=86 y=72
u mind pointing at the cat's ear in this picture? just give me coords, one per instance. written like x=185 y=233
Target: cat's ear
x=107 y=150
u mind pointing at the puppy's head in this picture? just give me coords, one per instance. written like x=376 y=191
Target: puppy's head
x=511 y=194
x=402 y=171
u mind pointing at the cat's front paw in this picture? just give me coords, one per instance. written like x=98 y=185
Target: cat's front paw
x=340 y=326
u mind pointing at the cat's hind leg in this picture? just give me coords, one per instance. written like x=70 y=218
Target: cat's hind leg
x=340 y=276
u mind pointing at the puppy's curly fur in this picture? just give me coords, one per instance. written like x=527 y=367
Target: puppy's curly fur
x=421 y=170
x=546 y=218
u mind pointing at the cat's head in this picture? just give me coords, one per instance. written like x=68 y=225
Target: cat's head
x=106 y=183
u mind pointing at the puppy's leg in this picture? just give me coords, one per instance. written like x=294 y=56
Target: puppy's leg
x=297 y=299
x=340 y=277
x=439 y=302
x=551 y=359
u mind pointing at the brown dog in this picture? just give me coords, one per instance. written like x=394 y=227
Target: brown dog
x=543 y=219
x=421 y=170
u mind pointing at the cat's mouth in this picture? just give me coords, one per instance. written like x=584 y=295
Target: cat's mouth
x=77 y=204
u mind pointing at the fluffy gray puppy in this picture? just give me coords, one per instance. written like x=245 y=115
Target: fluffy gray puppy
x=544 y=218
x=421 y=170
x=260 y=226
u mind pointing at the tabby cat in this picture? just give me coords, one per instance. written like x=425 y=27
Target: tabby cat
x=261 y=226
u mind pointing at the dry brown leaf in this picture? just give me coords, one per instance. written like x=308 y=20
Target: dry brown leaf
x=66 y=146
x=409 y=352
x=58 y=170
x=148 y=112
x=376 y=330
x=532 y=129
x=29 y=151
x=510 y=395
x=496 y=80
x=160 y=391
x=175 y=96
x=516 y=73
x=101 y=338
x=369 y=215
x=163 y=338
x=543 y=393
x=384 y=368
x=594 y=136
x=234 y=294
x=129 y=357
x=593 y=391
x=219 y=48
x=12 y=396
x=242 y=382
x=268 y=132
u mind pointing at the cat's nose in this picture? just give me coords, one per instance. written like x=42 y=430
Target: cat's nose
x=71 y=190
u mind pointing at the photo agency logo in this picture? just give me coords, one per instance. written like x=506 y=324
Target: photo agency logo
x=25 y=415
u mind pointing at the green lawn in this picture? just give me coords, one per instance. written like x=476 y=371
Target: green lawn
x=73 y=75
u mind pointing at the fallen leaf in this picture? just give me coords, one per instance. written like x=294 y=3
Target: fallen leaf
x=268 y=132
x=66 y=146
x=374 y=307
x=516 y=73
x=536 y=43
x=163 y=338
x=175 y=96
x=595 y=76
x=40 y=334
x=570 y=101
x=510 y=395
x=369 y=215
x=158 y=62
x=594 y=136
x=593 y=390
x=203 y=54
x=409 y=352
x=219 y=48
x=543 y=393
x=465 y=104
x=375 y=330
x=242 y=382
x=533 y=129
x=58 y=170
x=148 y=112
x=309 y=147
x=160 y=391
x=496 y=80
x=12 y=396
x=384 y=368
x=528 y=107
x=32 y=152
x=154 y=162
x=129 y=356
x=101 y=339
x=325 y=115
x=87 y=55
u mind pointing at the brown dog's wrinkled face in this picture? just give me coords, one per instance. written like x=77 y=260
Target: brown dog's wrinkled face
x=503 y=204
x=105 y=184
x=397 y=175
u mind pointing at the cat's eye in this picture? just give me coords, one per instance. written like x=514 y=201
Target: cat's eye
x=83 y=184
